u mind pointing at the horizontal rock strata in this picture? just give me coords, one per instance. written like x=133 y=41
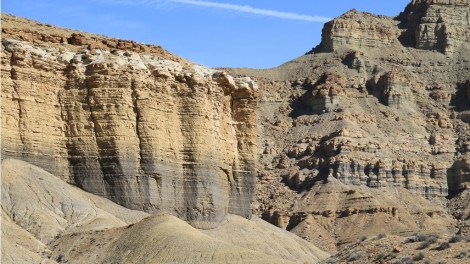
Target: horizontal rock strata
x=149 y=133
x=439 y=25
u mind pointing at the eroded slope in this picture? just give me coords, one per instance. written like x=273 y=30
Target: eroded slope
x=45 y=220
x=369 y=131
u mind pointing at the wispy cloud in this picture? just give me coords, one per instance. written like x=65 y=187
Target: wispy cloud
x=227 y=6
x=253 y=10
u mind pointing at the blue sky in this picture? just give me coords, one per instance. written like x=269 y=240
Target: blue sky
x=215 y=33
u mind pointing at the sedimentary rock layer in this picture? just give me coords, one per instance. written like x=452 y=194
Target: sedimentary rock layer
x=147 y=132
x=440 y=25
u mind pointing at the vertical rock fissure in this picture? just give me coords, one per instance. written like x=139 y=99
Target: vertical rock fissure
x=189 y=183
x=20 y=107
x=135 y=106
x=61 y=106
x=231 y=179
x=70 y=179
x=141 y=171
x=235 y=181
x=20 y=119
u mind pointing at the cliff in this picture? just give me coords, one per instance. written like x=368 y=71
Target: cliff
x=424 y=24
x=129 y=122
x=441 y=25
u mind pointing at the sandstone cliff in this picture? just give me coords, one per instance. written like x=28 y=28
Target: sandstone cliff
x=441 y=25
x=129 y=122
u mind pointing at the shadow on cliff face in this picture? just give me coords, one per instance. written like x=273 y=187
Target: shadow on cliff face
x=408 y=21
x=461 y=100
x=458 y=176
x=300 y=108
x=314 y=101
x=320 y=176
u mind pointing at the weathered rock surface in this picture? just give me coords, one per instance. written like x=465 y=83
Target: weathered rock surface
x=359 y=30
x=45 y=220
x=38 y=207
x=129 y=122
x=460 y=208
x=425 y=24
x=398 y=249
x=355 y=131
x=440 y=25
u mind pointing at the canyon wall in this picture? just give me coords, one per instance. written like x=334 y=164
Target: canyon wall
x=129 y=122
x=370 y=127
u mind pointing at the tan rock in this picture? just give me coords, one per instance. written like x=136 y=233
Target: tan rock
x=147 y=132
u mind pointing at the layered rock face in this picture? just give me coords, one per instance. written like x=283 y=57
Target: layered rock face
x=359 y=30
x=430 y=25
x=367 y=133
x=376 y=106
x=143 y=128
x=438 y=25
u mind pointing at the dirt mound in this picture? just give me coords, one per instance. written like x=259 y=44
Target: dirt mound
x=46 y=220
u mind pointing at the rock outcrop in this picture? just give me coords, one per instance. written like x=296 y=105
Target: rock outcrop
x=129 y=122
x=368 y=133
x=359 y=30
x=440 y=25
x=377 y=104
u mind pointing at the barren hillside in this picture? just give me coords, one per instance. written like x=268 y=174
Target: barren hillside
x=369 y=131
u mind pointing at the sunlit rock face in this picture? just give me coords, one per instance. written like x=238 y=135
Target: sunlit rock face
x=131 y=123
